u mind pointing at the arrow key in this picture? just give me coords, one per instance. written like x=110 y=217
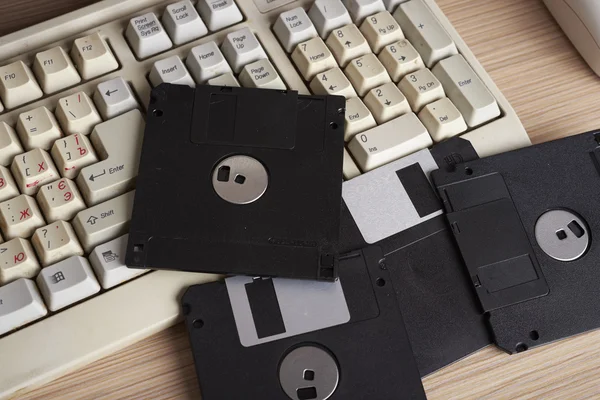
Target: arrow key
x=400 y=58
x=347 y=43
x=73 y=153
x=386 y=102
x=332 y=82
x=114 y=97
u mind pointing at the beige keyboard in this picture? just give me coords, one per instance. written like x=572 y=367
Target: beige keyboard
x=72 y=98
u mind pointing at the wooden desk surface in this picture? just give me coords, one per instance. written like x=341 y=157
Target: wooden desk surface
x=554 y=93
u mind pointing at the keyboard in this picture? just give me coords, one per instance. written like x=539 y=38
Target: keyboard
x=73 y=93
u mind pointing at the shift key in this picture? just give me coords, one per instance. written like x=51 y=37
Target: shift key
x=104 y=221
x=118 y=142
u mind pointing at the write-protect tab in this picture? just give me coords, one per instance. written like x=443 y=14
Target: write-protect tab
x=493 y=241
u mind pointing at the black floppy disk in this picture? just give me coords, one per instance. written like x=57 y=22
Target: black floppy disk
x=396 y=207
x=239 y=181
x=278 y=338
x=526 y=223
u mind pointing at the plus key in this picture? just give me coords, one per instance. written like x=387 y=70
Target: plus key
x=32 y=169
x=19 y=217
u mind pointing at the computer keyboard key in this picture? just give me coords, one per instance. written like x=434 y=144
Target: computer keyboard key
x=55 y=242
x=425 y=32
x=261 y=74
x=347 y=43
x=9 y=144
x=32 y=169
x=241 y=48
x=386 y=102
x=17 y=260
x=170 y=70
x=108 y=262
x=114 y=97
x=1 y=107
x=312 y=57
x=391 y=5
x=360 y=9
x=350 y=170
x=380 y=30
x=38 y=128
x=20 y=217
x=466 y=90
x=73 y=153
x=388 y=142
x=442 y=119
x=104 y=221
x=421 y=88
x=67 y=282
x=118 y=144
x=219 y=14
x=332 y=82
x=182 y=22
x=8 y=187
x=294 y=27
x=60 y=200
x=366 y=73
x=400 y=58
x=92 y=56
x=358 y=118
x=17 y=85
x=77 y=114
x=328 y=15
x=20 y=304
x=55 y=70
x=206 y=62
x=146 y=36
x=224 y=80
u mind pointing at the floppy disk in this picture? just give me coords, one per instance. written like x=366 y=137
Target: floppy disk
x=278 y=338
x=525 y=223
x=248 y=181
x=396 y=207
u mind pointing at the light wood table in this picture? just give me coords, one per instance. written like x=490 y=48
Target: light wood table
x=555 y=95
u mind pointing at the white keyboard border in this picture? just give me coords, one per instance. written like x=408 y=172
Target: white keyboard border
x=150 y=303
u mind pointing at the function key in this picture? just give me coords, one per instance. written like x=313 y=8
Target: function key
x=293 y=27
x=206 y=62
x=9 y=144
x=92 y=56
x=146 y=36
x=170 y=70
x=360 y=9
x=425 y=32
x=241 y=48
x=17 y=85
x=182 y=22
x=114 y=97
x=328 y=15
x=55 y=70
x=38 y=128
x=219 y=14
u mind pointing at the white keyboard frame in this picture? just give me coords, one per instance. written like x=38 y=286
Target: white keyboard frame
x=135 y=310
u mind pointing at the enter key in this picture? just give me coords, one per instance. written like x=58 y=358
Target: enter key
x=118 y=143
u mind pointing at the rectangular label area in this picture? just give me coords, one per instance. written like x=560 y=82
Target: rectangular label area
x=507 y=273
x=387 y=200
x=305 y=306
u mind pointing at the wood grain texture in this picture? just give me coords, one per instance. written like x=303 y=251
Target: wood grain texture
x=555 y=95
